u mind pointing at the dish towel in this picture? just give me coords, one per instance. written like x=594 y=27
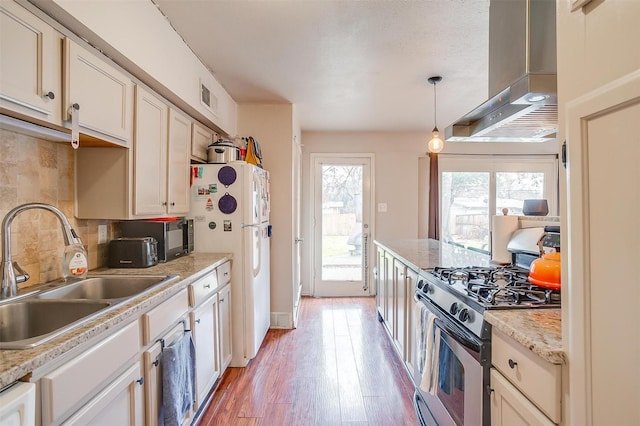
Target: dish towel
x=178 y=380
x=429 y=341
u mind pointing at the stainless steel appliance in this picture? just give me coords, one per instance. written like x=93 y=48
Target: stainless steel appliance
x=453 y=351
x=174 y=235
x=133 y=252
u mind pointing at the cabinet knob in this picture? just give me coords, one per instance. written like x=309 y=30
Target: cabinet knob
x=156 y=363
x=49 y=95
x=164 y=203
x=221 y=300
x=76 y=106
x=140 y=381
x=173 y=204
x=512 y=363
x=488 y=389
x=207 y=286
x=198 y=321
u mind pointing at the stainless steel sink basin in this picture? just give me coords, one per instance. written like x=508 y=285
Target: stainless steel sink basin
x=28 y=323
x=106 y=287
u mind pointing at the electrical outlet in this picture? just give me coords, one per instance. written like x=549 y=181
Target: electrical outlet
x=102 y=234
x=382 y=207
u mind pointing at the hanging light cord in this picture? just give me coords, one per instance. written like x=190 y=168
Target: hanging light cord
x=435 y=107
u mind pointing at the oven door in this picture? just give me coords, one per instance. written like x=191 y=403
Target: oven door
x=448 y=372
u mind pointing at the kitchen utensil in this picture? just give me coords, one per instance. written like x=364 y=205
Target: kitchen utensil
x=227 y=175
x=222 y=151
x=545 y=271
x=227 y=204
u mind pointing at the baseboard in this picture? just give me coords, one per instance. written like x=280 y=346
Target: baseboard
x=281 y=320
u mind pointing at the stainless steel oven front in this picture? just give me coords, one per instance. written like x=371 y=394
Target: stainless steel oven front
x=450 y=369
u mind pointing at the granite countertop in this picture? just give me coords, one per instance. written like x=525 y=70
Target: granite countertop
x=540 y=330
x=15 y=364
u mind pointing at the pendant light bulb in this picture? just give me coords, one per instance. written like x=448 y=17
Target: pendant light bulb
x=435 y=144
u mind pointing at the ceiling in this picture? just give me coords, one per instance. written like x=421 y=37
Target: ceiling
x=346 y=65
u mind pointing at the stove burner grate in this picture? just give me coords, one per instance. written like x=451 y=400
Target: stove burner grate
x=507 y=285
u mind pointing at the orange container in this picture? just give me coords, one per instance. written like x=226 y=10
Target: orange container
x=545 y=271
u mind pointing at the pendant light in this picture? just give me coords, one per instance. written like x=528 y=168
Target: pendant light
x=436 y=144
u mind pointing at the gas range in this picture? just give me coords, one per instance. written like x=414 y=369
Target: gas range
x=464 y=293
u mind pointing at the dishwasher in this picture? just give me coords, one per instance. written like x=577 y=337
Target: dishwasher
x=18 y=405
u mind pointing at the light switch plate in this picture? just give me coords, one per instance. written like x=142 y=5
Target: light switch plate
x=102 y=234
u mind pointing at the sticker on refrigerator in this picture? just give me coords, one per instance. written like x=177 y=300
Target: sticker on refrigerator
x=212 y=225
x=209 y=205
x=213 y=188
x=203 y=191
x=227 y=226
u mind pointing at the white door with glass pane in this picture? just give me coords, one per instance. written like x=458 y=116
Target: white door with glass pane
x=342 y=226
x=476 y=188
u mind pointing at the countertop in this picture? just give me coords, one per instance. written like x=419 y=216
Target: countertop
x=540 y=329
x=15 y=364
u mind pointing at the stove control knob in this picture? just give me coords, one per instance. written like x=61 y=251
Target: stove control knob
x=464 y=315
x=454 y=308
x=424 y=286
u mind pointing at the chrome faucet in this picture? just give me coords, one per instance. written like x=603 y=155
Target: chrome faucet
x=9 y=278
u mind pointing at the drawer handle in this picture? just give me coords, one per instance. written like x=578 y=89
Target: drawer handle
x=207 y=286
x=140 y=381
x=512 y=363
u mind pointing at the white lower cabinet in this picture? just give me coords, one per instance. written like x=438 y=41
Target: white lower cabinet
x=67 y=388
x=526 y=388
x=204 y=325
x=224 y=326
x=509 y=407
x=119 y=404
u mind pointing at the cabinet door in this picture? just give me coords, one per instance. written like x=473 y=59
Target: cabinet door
x=204 y=324
x=201 y=138
x=399 y=277
x=510 y=408
x=30 y=64
x=381 y=278
x=119 y=404
x=178 y=194
x=389 y=293
x=224 y=327
x=150 y=158
x=152 y=383
x=102 y=92
x=411 y=307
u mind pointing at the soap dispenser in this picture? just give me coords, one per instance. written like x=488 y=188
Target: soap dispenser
x=74 y=262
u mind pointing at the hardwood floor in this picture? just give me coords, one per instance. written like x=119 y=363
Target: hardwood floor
x=337 y=368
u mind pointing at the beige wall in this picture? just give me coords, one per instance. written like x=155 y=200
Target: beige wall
x=396 y=182
x=272 y=125
x=33 y=170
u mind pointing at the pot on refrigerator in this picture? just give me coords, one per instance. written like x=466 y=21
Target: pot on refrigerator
x=222 y=151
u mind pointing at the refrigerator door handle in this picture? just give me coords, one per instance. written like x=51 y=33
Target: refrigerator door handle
x=246 y=225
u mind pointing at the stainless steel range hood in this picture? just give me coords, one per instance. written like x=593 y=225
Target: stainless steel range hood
x=523 y=104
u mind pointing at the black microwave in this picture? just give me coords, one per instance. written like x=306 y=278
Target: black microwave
x=174 y=236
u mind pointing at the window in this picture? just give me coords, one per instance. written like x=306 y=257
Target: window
x=473 y=188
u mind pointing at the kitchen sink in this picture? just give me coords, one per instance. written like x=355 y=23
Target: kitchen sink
x=29 y=323
x=106 y=287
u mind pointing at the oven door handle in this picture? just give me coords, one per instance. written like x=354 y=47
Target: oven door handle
x=458 y=335
x=449 y=327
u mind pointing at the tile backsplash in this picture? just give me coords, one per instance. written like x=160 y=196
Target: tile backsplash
x=34 y=170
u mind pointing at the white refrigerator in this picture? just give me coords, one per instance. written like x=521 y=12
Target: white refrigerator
x=230 y=212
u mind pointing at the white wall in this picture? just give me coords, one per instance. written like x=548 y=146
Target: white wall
x=272 y=125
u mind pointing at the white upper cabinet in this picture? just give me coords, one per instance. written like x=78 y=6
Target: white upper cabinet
x=161 y=164
x=178 y=178
x=102 y=93
x=30 y=65
x=150 y=154
x=201 y=138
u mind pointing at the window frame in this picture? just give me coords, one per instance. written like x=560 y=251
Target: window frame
x=492 y=164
